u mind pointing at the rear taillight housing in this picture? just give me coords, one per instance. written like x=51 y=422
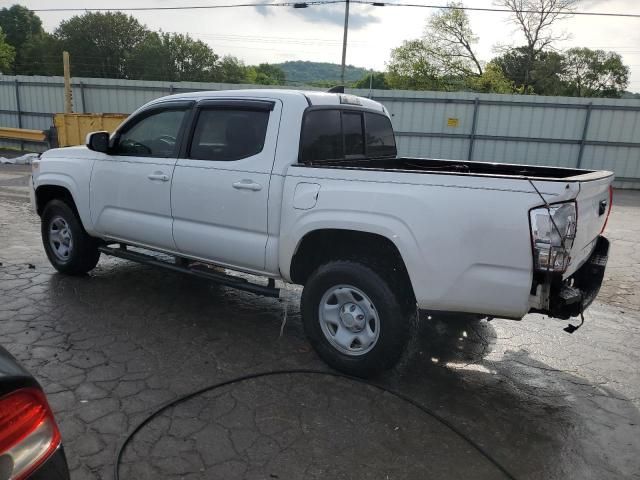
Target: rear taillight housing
x=28 y=433
x=609 y=210
x=553 y=230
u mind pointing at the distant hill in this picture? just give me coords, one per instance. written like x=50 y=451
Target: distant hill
x=318 y=72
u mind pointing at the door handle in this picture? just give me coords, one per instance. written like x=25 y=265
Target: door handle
x=247 y=185
x=158 y=176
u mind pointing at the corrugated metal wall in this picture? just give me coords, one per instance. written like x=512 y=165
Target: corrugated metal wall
x=562 y=131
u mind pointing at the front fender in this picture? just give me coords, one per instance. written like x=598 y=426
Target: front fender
x=79 y=194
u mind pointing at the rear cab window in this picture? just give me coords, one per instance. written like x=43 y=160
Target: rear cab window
x=321 y=136
x=353 y=131
x=334 y=134
x=381 y=142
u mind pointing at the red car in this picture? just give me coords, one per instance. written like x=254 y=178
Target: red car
x=30 y=442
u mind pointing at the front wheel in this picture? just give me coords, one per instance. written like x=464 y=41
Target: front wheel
x=69 y=248
x=355 y=319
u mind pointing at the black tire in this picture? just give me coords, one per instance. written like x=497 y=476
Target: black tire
x=393 y=310
x=83 y=255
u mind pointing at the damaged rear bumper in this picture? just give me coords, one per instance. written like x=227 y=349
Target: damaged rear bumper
x=568 y=298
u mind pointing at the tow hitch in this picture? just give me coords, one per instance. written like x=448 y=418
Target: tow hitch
x=571 y=295
x=572 y=328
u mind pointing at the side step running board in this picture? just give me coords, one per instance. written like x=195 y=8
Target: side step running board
x=202 y=272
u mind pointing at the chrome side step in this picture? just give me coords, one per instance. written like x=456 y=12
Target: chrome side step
x=194 y=268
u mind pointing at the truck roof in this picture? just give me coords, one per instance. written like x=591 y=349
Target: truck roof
x=312 y=97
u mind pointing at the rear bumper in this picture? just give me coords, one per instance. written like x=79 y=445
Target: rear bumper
x=573 y=295
x=54 y=468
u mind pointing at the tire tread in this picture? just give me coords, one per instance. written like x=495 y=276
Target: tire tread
x=85 y=254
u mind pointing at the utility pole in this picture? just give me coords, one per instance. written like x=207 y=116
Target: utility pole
x=344 y=40
x=68 y=94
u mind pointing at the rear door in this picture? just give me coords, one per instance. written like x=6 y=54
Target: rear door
x=220 y=188
x=131 y=187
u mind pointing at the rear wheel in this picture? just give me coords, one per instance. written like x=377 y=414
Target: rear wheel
x=69 y=248
x=357 y=321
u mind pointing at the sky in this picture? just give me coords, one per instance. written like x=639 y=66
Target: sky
x=278 y=34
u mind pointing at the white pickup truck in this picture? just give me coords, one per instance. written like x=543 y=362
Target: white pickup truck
x=307 y=187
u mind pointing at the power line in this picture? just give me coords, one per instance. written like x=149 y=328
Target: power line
x=191 y=7
x=496 y=10
x=304 y=4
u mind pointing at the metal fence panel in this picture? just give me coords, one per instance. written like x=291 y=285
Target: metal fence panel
x=531 y=153
x=560 y=131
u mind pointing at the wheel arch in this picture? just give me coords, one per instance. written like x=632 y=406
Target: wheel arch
x=62 y=187
x=320 y=246
x=48 y=192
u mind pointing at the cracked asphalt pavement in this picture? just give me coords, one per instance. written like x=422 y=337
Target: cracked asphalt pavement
x=111 y=346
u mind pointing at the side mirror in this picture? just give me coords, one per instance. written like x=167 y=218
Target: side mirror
x=98 y=141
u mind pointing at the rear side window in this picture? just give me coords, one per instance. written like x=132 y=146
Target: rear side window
x=321 y=136
x=380 y=139
x=225 y=134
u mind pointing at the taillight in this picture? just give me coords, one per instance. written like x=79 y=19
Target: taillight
x=28 y=433
x=608 y=211
x=553 y=231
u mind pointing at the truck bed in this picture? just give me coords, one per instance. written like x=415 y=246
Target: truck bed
x=478 y=210
x=459 y=167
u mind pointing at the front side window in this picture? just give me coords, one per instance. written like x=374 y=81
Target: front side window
x=229 y=134
x=155 y=135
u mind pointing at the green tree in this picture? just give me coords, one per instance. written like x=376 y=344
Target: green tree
x=41 y=55
x=191 y=60
x=172 y=57
x=536 y=19
x=442 y=59
x=100 y=44
x=451 y=40
x=266 y=74
x=542 y=77
x=231 y=70
x=492 y=80
x=21 y=27
x=377 y=80
x=546 y=74
x=594 y=73
x=7 y=54
x=411 y=68
x=150 y=60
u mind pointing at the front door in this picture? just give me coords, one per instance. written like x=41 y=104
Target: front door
x=220 y=190
x=131 y=186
